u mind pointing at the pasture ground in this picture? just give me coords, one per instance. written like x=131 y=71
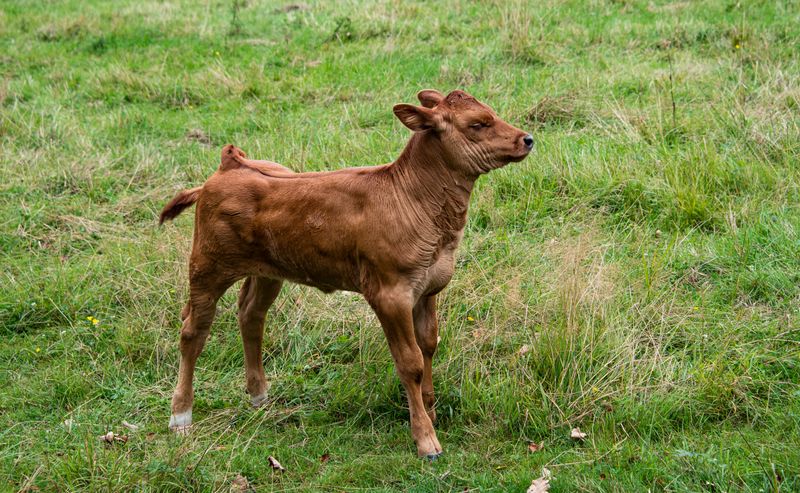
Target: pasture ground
x=637 y=276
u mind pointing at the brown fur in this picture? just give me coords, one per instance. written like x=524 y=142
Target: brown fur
x=184 y=199
x=388 y=232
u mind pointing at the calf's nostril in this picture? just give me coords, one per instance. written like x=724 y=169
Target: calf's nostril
x=528 y=140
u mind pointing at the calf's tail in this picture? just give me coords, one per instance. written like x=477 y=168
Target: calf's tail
x=184 y=199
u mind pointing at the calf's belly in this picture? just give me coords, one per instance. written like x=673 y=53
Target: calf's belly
x=308 y=268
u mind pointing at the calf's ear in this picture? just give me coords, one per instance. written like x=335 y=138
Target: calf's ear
x=416 y=118
x=430 y=97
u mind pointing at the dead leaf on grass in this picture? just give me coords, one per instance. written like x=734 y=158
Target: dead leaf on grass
x=240 y=483
x=111 y=437
x=130 y=426
x=524 y=350
x=577 y=434
x=535 y=447
x=273 y=462
x=542 y=483
x=325 y=458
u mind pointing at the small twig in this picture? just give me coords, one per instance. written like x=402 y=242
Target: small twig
x=672 y=90
x=236 y=24
x=31 y=479
x=615 y=448
x=775 y=487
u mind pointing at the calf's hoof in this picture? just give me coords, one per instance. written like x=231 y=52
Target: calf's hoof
x=184 y=430
x=258 y=401
x=429 y=447
x=181 y=423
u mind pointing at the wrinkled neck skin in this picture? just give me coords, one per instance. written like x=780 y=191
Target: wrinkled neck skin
x=423 y=171
x=430 y=189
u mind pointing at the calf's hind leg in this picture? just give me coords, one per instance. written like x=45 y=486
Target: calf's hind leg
x=198 y=314
x=255 y=298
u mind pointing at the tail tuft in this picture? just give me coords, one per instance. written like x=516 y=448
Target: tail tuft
x=184 y=199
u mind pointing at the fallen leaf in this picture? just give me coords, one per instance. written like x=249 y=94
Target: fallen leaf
x=151 y=435
x=68 y=423
x=577 y=434
x=325 y=458
x=240 y=483
x=540 y=484
x=535 y=447
x=273 y=462
x=524 y=350
x=130 y=426
x=112 y=437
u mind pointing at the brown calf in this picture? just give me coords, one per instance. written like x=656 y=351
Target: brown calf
x=388 y=232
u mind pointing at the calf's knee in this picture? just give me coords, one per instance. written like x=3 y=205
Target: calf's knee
x=410 y=369
x=191 y=337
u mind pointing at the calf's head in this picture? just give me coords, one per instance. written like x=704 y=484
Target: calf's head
x=470 y=136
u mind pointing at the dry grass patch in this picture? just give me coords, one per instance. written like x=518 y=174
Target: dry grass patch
x=565 y=110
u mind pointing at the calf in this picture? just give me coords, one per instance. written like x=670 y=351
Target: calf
x=388 y=232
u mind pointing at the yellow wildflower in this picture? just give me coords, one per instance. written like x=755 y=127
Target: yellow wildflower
x=38 y=349
x=470 y=319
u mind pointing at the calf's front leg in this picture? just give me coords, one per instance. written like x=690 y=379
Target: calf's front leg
x=426 y=330
x=394 y=309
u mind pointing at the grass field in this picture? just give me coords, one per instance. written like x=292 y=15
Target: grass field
x=638 y=276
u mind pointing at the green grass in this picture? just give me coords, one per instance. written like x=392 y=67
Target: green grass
x=646 y=255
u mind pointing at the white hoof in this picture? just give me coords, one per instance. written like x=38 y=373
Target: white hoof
x=258 y=401
x=181 y=423
x=182 y=430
